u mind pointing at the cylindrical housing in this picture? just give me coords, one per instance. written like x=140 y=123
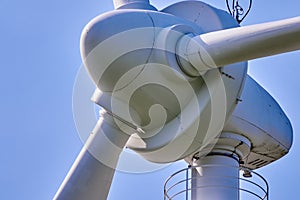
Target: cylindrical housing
x=216 y=178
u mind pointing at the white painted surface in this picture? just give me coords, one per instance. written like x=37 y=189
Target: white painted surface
x=229 y=46
x=91 y=175
x=217 y=179
x=261 y=119
x=136 y=4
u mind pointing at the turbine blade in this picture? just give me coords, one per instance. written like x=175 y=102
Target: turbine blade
x=220 y=48
x=91 y=175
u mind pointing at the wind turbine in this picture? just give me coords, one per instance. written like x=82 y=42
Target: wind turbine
x=173 y=85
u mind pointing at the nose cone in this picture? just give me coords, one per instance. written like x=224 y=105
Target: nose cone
x=133 y=4
x=115 y=43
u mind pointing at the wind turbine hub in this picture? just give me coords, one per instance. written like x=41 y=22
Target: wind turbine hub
x=144 y=79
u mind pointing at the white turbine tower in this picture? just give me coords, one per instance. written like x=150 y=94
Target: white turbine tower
x=173 y=85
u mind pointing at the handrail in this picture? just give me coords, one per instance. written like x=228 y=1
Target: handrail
x=172 y=191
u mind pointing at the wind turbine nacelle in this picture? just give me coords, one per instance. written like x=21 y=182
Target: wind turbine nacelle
x=259 y=118
x=132 y=57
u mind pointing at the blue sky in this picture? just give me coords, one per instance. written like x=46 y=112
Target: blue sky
x=40 y=59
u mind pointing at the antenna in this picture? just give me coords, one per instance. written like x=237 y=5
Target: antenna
x=173 y=85
x=237 y=11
